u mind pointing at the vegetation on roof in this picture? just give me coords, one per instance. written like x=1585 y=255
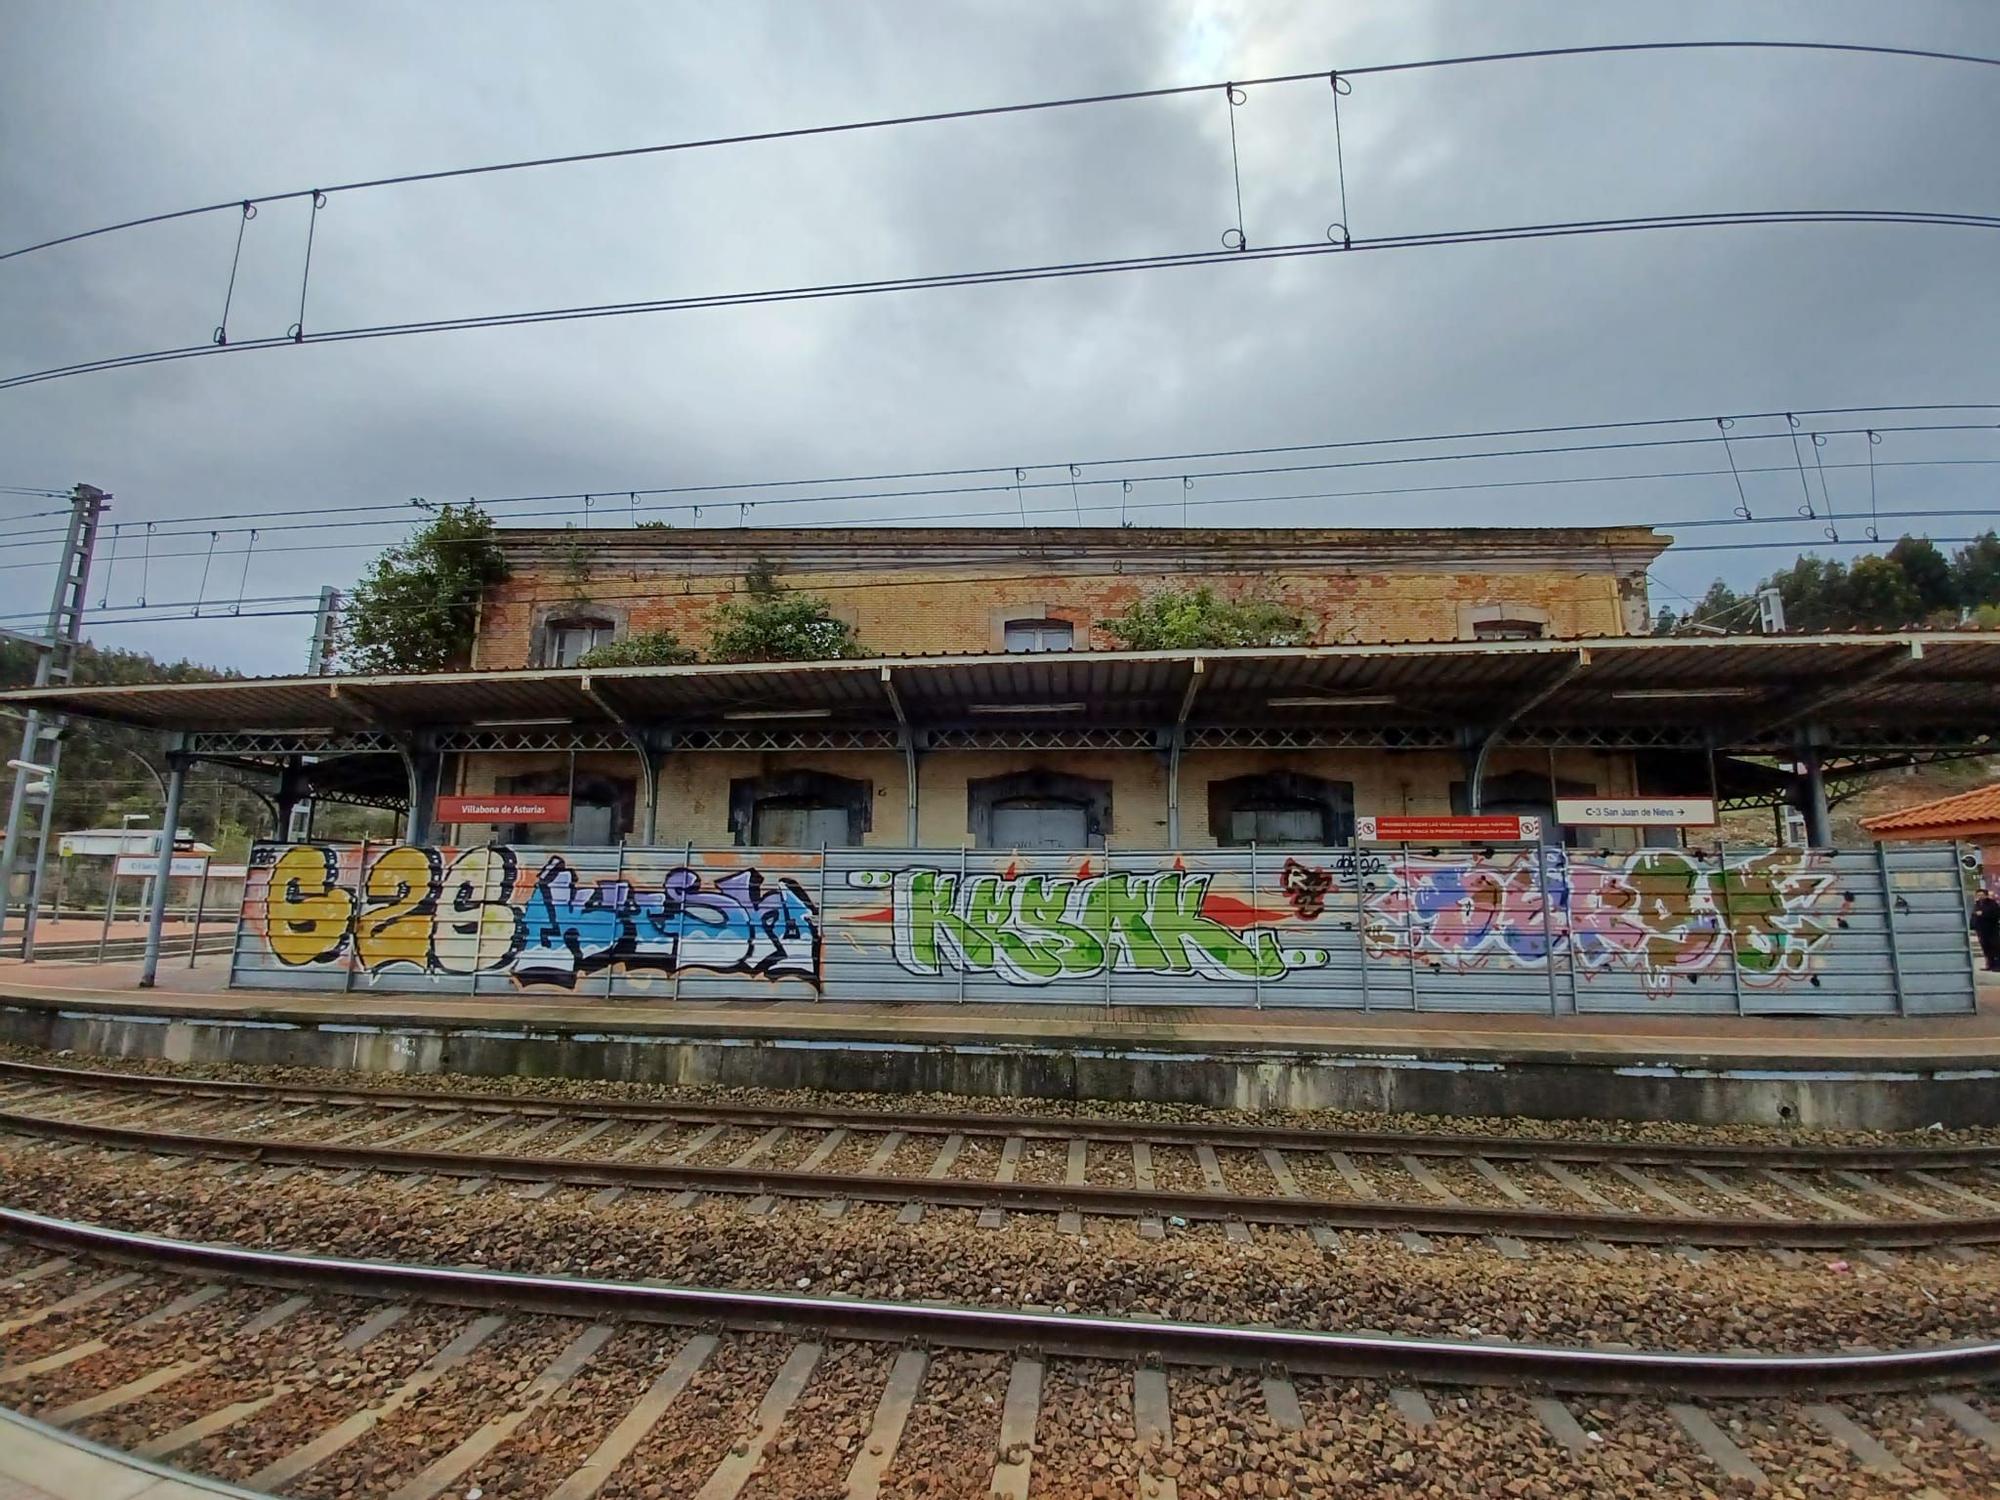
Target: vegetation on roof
x=417 y=607
x=1174 y=618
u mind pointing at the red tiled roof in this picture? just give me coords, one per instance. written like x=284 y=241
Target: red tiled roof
x=1981 y=805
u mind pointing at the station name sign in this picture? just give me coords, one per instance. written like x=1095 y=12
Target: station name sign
x=1421 y=828
x=503 y=809
x=1638 y=812
x=149 y=864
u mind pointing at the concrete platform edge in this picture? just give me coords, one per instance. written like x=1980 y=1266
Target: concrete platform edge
x=85 y=1461
x=1633 y=1081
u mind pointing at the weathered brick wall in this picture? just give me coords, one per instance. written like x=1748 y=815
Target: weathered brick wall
x=954 y=593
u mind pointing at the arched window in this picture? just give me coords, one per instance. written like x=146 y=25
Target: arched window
x=1502 y=620
x=800 y=810
x=565 y=640
x=1280 y=807
x=1039 y=635
x=1507 y=628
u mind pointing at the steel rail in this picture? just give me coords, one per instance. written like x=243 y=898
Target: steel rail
x=1032 y=1197
x=1089 y=1335
x=1055 y=1127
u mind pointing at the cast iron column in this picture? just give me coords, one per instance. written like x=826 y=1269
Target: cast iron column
x=156 y=913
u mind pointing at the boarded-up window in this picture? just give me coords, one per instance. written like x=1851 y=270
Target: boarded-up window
x=779 y=823
x=1041 y=825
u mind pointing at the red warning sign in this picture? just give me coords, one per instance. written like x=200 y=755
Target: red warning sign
x=1423 y=828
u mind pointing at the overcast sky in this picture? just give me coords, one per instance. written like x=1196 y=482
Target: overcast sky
x=113 y=110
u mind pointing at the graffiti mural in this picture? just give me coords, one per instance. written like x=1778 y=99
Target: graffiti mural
x=476 y=914
x=1665 y=915
x=1515 y=928
x=1040 y=928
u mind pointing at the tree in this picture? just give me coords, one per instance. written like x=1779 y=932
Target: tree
x=771 y=623
x=416 y=607
x=1927 y=571
x=1975 y=569
x=1721 y=608
x=1183 y=619
x=1815 y=594
x=651 y=648
x=1879 y=593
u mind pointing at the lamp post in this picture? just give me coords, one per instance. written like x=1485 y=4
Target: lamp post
x=125 y=821
x=43 y=786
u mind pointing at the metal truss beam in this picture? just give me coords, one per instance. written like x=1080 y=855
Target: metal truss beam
x=786 y=739
x=1043 y=739
x=1924 y=739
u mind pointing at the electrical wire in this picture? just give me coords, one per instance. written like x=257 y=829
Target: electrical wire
x=960 y=514
x=1683 y=523
x=656 y=595
x=994 y=111
x=1043 y=272
x=1015 y=476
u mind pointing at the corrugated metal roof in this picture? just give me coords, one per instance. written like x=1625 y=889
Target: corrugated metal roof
x=1979 y=806
x=1735 y=684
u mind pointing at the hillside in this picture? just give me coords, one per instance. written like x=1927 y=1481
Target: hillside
x=108 y=771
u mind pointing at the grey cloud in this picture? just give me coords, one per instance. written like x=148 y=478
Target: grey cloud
x=115 y=109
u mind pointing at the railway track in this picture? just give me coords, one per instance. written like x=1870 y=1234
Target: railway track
x=323 y=1375
x=1513 y=1191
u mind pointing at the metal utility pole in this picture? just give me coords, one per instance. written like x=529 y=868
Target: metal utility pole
x=56 y=665
x=1770 y=612
x=326 y=634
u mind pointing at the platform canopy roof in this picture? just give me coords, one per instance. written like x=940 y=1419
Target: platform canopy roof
x=1746 y=691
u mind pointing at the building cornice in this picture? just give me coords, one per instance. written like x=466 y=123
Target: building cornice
x=1143 y=550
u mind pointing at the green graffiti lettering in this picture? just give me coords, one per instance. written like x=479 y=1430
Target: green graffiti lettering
x=1121 y=909
x=1038 y=929
x=1041 y=943
x=1755 y=901
x=925 y=921
x=1174 y=901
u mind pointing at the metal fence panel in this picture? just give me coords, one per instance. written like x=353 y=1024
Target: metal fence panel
x=1518 y=929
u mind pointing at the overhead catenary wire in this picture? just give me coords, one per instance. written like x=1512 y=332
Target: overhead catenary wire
x=736 y=591
x=994 y=111
x=1681 y=522
x=1038 y=272
x=1060 y=474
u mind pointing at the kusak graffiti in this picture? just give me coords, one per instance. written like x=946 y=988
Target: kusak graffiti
x=1039 y=928
x=1666 y=915
x=417 y=912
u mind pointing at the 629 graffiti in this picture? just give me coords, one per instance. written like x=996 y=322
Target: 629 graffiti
x=416 y=911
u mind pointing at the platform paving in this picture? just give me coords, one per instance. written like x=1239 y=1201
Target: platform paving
x=1681 y=1040
x=38 y=1462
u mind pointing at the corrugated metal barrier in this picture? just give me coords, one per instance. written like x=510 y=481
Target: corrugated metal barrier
x=1521 y=928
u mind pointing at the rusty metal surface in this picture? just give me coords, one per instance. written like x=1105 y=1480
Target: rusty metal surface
x=1300 y=1351
x=948 y=1192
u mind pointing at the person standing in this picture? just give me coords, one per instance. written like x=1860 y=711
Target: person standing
x=1986 y=926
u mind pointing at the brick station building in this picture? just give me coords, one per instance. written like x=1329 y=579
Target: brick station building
x=993 y=804
x=947 y=592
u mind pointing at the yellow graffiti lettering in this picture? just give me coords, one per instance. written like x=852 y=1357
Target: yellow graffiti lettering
x=306 y=914
x=401 y=889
